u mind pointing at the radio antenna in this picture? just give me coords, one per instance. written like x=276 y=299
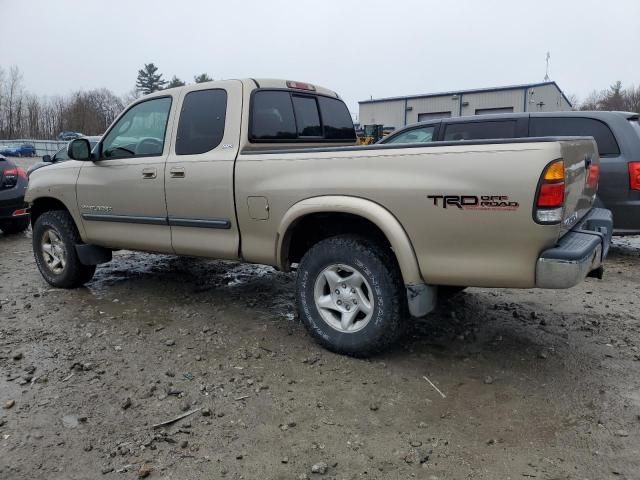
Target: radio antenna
x=546 y=75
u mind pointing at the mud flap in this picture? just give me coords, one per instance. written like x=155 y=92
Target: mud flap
x=422 y=299
x=92 y=254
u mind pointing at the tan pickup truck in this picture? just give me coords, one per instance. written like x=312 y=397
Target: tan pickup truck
x=266 y=171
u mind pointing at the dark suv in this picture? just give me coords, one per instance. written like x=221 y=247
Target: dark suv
x=14 y=214
x=616 y=133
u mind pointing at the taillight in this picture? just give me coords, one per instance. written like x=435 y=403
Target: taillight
x=634 y=175
x=551 y=195
x=11 y=175
x=593 y=177
x=550 y=198
x=15 y=172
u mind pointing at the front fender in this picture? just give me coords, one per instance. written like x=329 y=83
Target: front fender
x=367 y=209
x=58 y=183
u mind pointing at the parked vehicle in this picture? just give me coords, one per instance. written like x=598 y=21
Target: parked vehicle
x=616 y=133
x=22 y=150
x=14 y=214
x=69 y=135
x=266 y=171
x=59 y=156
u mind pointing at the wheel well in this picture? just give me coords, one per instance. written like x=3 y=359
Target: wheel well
x=312 y=228
x=45 y=204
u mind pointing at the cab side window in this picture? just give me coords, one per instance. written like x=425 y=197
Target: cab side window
x=140 y=132
x=201 y=126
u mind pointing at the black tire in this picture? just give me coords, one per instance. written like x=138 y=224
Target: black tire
x=379 y=268
x=15 y=225
x=74 y=274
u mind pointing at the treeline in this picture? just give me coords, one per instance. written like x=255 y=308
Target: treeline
x=25 y=115
x=614 y=98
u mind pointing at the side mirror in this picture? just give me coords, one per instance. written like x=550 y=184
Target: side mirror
x=79 y=149
x=47 y=159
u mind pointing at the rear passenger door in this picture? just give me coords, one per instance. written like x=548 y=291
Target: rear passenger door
x=484 y=129
x=199 y=171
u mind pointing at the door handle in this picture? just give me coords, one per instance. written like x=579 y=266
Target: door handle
x=149 y=173
x=176 y=172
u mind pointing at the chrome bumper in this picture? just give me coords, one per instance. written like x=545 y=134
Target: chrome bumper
x=579 y=252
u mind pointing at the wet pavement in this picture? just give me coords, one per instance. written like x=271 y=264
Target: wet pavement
x=535 y=384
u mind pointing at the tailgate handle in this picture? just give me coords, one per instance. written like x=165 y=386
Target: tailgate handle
x=587 y=162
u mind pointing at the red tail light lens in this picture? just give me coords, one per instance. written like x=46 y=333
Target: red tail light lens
x=551 y=195
x=11 y=175
x=634 y=175
x=593 y=176
x=550 y=200
x=15 y=172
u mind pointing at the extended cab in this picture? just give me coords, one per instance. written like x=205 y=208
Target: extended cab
x=266 y=171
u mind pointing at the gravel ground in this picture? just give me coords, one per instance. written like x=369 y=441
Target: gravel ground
x=535 y=384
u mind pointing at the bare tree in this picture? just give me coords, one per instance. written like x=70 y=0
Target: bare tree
x=13 y=101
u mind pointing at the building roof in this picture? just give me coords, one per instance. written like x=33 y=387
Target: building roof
x=463 y=92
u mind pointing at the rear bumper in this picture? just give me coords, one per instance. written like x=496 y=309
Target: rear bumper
x=13 y=208
x=577 y=253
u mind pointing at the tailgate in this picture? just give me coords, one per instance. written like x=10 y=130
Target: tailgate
x=580 y=159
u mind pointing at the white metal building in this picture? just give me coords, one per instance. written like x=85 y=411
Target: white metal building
x=396 y=112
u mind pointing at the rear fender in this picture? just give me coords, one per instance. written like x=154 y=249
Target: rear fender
x=378 y=215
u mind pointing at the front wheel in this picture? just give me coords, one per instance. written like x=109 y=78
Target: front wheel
x=54 y=246
x=350 y=295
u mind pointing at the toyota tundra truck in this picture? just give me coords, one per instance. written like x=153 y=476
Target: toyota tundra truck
x=267 y=171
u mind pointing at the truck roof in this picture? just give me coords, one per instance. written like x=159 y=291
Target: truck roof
x=267 y=83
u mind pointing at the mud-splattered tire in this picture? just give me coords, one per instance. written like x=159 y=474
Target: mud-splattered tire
x=340 y=275
x=16 y=225
x=54 y=239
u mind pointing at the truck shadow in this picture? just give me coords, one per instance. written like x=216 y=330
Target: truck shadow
x=470 y=323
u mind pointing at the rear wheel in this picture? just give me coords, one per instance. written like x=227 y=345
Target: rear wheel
x=15 y=225
x=54 y=246
x=350 y=295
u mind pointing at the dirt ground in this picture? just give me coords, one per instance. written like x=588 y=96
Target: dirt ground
x=535 y=384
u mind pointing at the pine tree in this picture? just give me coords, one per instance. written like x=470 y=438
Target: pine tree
x=203 y=77
x=148 y=80
x=175 y=82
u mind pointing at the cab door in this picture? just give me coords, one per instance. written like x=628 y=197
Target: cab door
x=199 y=171
x=121 y=194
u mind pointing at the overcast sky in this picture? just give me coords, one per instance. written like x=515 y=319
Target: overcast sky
x=359 y=48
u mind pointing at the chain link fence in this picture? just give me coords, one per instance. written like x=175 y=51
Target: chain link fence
x=43 y=147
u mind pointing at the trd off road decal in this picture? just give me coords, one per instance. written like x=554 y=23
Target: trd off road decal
x=474 y=202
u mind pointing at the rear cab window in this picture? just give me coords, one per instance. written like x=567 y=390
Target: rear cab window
x=480 y=130
x=288 y=116
x=580 y=127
